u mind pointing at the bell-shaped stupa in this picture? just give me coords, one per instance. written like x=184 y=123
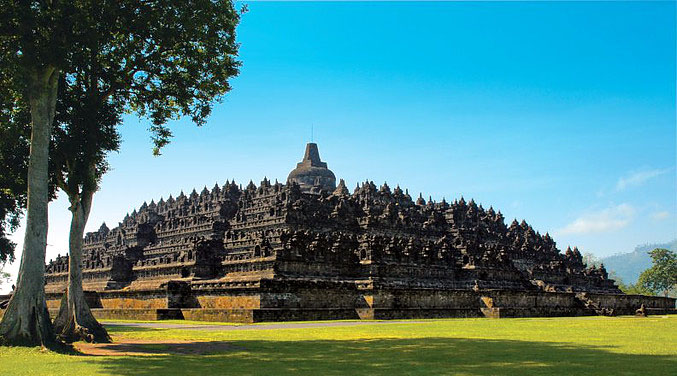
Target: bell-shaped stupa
x=311 y=172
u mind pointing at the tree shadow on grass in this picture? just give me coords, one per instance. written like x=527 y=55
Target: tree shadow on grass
x=141 y=347
x=431 y=356
x=122 y=329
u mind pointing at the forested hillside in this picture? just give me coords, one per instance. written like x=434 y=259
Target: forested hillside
x=630 y=265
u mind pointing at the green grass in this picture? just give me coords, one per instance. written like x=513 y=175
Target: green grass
x=536 y=346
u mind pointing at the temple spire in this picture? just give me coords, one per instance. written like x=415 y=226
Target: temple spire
x=311 y=172
x=312 y=155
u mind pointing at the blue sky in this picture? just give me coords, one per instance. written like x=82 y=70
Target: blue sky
x=559 y=113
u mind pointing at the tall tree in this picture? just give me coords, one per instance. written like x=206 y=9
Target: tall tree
x=662 y=276
x=163 y=62
x=15 y=134
x=85 y=131
x=35 y=38
x=161 y=59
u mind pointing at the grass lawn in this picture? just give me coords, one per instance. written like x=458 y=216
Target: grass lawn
x=535 y=346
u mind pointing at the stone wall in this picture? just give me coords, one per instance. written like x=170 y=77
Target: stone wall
x=322 y=300
x=627 y=304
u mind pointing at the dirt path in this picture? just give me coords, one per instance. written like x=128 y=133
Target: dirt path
x=161 y=325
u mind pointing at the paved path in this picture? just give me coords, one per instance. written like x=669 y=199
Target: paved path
x=296 y=325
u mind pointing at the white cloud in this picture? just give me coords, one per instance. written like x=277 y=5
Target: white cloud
x=638 y=178
x=605 y=220
x=659 y=216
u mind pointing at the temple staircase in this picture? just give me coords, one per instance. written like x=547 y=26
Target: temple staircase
x=488 y=309
x=593 y=306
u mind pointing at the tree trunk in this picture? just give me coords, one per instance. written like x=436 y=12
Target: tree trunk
x=26 y=321
x=75 y=320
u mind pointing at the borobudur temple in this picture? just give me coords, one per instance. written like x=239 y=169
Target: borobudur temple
x=310 y=249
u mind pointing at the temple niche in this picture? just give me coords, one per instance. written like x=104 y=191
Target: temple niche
x=311 y=249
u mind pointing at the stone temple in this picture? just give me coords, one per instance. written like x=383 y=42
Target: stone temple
x=310 y=249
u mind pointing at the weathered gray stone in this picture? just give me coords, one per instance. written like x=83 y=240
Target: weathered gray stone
x=308 y=250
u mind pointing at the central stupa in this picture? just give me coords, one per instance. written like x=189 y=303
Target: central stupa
x=311 y=173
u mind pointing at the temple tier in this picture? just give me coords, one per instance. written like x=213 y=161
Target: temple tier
x=310 y=250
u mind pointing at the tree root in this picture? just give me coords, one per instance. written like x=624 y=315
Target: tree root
x=75 y=332
x=26 y=325
x=72 y=325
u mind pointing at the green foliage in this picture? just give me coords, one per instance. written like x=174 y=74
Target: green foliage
x=85 y=131
x=14 y=143
x=33 y=40
x=4 y=276
x=161 y=59
x=662 y=276
x=631 y=265
x=633 y=289
x=34 y=34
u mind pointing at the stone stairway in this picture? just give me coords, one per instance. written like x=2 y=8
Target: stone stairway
x=488 y=310
x=591 y=305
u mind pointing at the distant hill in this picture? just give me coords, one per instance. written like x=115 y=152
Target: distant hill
x=629 y=266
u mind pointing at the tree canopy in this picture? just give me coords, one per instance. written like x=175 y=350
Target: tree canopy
x=161 y=59
x=662 y=276
x=13 y=163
